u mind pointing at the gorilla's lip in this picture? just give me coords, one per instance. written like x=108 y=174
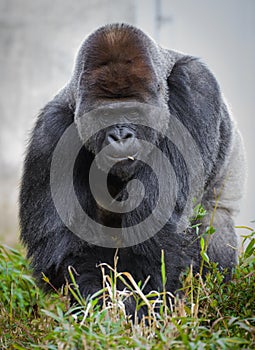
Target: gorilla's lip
x=118 y=158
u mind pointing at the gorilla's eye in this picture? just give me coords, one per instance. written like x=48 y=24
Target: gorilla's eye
x=103 y=114
x=103 y=63
x=106 y=114
x=134 y=114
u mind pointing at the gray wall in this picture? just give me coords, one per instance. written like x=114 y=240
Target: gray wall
x=38 y=41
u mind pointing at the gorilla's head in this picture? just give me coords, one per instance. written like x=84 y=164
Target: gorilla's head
x=120 y=97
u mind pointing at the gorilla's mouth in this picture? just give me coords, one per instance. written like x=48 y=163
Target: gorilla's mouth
x=123 y=164
x=120 y=165
x=121 y=154
x=118 y=158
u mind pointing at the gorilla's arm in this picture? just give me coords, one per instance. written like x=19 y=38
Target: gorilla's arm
x=38 y=216
x=195 y=99
x=221 y=200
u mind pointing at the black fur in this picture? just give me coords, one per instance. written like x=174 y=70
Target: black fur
x=159 y=77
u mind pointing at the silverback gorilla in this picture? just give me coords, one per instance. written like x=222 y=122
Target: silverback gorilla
x=119 y=158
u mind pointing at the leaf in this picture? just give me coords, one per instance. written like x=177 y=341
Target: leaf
x=163 y=269
x=202 y=244
x=205 y=256
x=250 y=249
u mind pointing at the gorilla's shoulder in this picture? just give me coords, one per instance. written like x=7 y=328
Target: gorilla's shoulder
x=194 y=95
x=190 y=76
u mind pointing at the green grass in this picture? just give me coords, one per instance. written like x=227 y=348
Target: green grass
x=210 y=315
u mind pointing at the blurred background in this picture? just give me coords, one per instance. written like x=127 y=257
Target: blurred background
x=38 y=42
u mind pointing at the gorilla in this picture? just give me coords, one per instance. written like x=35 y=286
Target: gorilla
x=119 y=159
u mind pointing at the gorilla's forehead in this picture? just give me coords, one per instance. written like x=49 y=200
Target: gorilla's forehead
x=141 y=114
x=118 y=40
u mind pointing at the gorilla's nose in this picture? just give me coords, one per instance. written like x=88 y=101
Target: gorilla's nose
x=120 y=135
x=122 y=142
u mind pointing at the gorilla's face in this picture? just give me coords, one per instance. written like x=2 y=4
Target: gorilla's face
x=119 y=129
x=119 y=103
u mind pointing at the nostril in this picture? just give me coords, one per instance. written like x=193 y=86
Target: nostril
x=119 y=135
x=111 y=137
x=127 y=135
